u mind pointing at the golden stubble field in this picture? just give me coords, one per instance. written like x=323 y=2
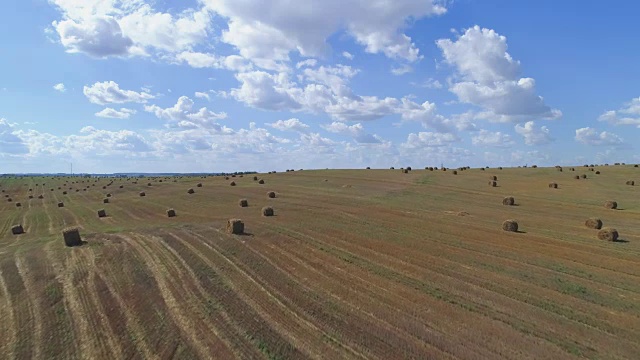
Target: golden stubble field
x=356 y=264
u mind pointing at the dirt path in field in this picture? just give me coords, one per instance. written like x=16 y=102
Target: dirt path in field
x=33 y=305
x=8 y=323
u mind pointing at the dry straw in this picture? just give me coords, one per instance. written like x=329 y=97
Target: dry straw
x=593 y=223
x=608 y=234
x=553 y=185
x=611 y=204
x=171 y=213
x=102 y=213
x=243 y=202
x=267 y=211
x=510 y=225
x=72 y=237
x=235 y=226
x=509 y=200
x=271 y=194
x=17 y=229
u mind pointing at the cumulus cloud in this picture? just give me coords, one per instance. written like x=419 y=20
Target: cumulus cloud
x=292 y=124
x=494 y=139
x=404 y=69
x=127 y=28
x=347 y=55
x=270 y=31
x=429 y=139
x=109 y=92
x=590 y=136
x=123 y=113
x=627 y=115
x=489 y=78
x=10 y=142
x=59 y=87
x=533 y=135
x=202 y=95
x=356 y=131
x=181 y=113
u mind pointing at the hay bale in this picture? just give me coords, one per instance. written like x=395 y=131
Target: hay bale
x=9 y=200
x=493 y=178
x=534 y=166
x=148 y=184
x=226 y=178
x=108 y=195
x=18 y=204
x=171 y=213
x=190 y=191
x=261 y=182
x=105 y=200
x=611 y=204
x=553 y=185
x=72 y=237
x=199 y=185
x=267 y=211
x=509 y=200
x=408 y=168
x=255 y=178
x=30 y=196
x=499 y=167
x=455 y=172
x=405 y=171
x=102 y=213
x=104 y=187
x=608 y=234
x=510 y=225
x=235 y=226
x=493 y=183
x=584 y=176
x=243 y=203
x=271 y=194
x=17 y=230
x=630 y=182
x=577 y=177
x=368 y=168
x=597 y=172
x=121 y=186
x=593 y=223
x=142 y=193
x=636 y=165
x=60 y=204
x=233 y=183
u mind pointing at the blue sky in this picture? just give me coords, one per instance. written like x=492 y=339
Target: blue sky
x=227 y=85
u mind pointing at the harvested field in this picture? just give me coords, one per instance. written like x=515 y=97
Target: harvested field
x=395 y=266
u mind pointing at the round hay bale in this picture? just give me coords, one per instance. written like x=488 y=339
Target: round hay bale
x=636 y=165
x=64 y=193
x=593 y=223
x=597 y=172
x=40 y=196
x=71 y=237
x=405 y=171
x=608 y=234
x=171 y=213
x=493 y=178
x=553 y=185
x=226 y=178
x=255 y=178
x=630 y=182
x=392 y=168
x=60 y=204
x=534 y=166
x=573 y=169
x=499 y=167
x=261 y=182
x=104 y=187
x=121 y=186
x=9 y=200
x=509 y=200
x=30 y=196
x=584 y=176
x=17 y=230
x=611 y=204
x=577 y=177
x=493 y=183
x=233 y=183
x=199 y=185
x=18 y=204
x=142 y=193
x=235 y=226
x=455 y=172
x=102 y=213
x=408 y=168
x=267 y=211
x=105 y=200
x=243 y=203
x=510 y=225
x=271 y=194
x=190 y=191
x=368 y=168
x=108 y=195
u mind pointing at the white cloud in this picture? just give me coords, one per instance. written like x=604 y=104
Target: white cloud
x=494 y=139
x=109 y=92
x=202 y=95
x=429 y=84
x=533 y=135
x=307 y=63
x=200 y=60
x=356 y=131
x=490 y=78
x=404 y=69
x=10 y=142
x=59 y=87
x=347 y=55
x=291 y=124
x=429 y=139
x=181 y=113
x=270 y=31
x=127 y=28
x=590 y=136
x=628 y=115
x=123 y=113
